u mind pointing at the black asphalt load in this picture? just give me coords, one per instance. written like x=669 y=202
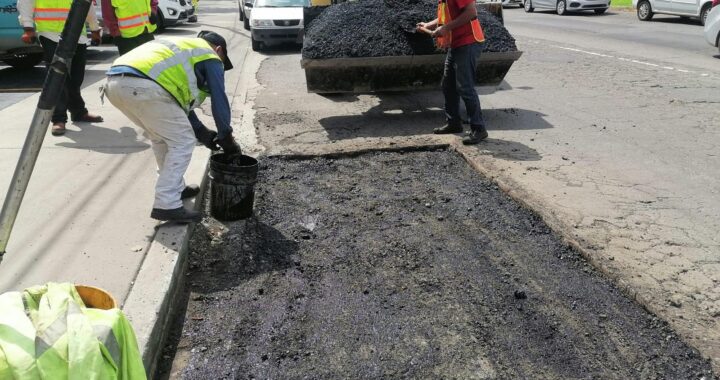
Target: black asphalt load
x=377 y=28
x=405 y=265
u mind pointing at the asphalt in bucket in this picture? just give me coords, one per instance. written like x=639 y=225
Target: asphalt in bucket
x=405 y=265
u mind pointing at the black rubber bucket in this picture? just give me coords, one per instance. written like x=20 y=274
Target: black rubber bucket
x=232 y=186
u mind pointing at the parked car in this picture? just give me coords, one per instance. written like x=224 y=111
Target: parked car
x=646 y=9
x=712 y=26
x=245 y=11
x=507 y=3
x=13 y=51
x=172 y=12
x=563 y=7
x=274 y=22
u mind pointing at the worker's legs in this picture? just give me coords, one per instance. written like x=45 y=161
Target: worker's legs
x=124 y=45
x=450 y=90
x=167 y=126
x=75 y=102
x=465 y=63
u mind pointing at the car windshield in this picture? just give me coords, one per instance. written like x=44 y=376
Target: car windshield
x=281 y=3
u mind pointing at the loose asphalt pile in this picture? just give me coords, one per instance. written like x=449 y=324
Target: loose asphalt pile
x=377 y=28
x=405 y=265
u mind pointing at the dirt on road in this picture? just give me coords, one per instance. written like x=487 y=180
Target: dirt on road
x=405 y=265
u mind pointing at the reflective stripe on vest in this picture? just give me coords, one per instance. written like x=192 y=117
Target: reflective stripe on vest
x=50 y=15
x=170 y=62
x=133 y=17
x=444 y=18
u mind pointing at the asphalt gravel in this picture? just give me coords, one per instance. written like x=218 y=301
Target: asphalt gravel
x=377 y=28
x=404 y=265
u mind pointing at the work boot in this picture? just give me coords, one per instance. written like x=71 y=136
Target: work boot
x=207 y=138
x=89 y=118
x=476 y=135
x=190 y=191
x=58 y=129
x=448 y=129
x=180 y=214
x=228 y=144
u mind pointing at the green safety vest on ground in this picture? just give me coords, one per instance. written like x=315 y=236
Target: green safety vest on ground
x=47 y=333
x=50 y=15
x=133 y=17
x=171 y=63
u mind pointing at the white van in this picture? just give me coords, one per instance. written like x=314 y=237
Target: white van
x=684 y=8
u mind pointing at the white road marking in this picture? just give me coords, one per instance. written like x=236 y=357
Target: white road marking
x=623 y=59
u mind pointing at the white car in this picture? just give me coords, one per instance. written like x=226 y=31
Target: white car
x=563 y=7
x=245 y=8
x=274 y=22
x=172 y=12
x=712 y=26
x=646 y=9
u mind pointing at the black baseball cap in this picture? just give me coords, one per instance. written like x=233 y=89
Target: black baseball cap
x=217 y=40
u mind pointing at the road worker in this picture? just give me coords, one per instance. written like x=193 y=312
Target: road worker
x=157 y=85
x=46 y=19
x=458 y=30
x=131 y=23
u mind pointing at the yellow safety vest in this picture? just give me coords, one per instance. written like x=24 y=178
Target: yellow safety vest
x=170 y=62
x=133 y=17
x=47 y=333
x=50 y=15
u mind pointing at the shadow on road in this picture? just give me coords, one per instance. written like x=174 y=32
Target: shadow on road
x=508 y=150
x=407 y=114
x=104 y=140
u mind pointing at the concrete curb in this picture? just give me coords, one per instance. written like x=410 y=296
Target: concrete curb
x=149 y=305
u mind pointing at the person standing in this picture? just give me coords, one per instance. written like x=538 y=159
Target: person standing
x=46 y=19
x=458 y=30
x=157 y=85
x=131 y=22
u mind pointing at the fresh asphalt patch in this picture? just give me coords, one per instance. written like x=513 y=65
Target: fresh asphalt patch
x=404 y=265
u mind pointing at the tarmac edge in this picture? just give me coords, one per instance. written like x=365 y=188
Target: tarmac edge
x=518 y=194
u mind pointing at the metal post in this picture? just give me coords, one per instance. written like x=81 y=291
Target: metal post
x=52 y=89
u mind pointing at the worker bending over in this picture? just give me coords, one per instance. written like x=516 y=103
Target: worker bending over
x=157 y=85
x=46 y=19
x=458 y=30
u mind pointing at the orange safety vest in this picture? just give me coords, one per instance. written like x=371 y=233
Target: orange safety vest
x=443 y=16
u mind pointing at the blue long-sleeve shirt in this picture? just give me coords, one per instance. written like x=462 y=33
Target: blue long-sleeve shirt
x=210 y=76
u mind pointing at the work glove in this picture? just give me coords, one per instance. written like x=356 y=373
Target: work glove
x=153 y=18
x=29 y=36
x=207 y=138
x=228 y=144
x=95 y=39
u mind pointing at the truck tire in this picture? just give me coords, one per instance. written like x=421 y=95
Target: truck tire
x=255 y=44
x=644 y=11
x=704 y=13
x=246 y=24
x=561 y=8
x=24 y=61
x=527 y=5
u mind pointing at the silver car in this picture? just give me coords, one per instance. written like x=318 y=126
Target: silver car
x=684 y=8
x=562 y=7
x=712 y=27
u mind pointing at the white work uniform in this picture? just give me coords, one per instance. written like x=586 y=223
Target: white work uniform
x=167 y=126
x=26 y=9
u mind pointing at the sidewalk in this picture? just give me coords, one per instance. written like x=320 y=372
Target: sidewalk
x=85 y=216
